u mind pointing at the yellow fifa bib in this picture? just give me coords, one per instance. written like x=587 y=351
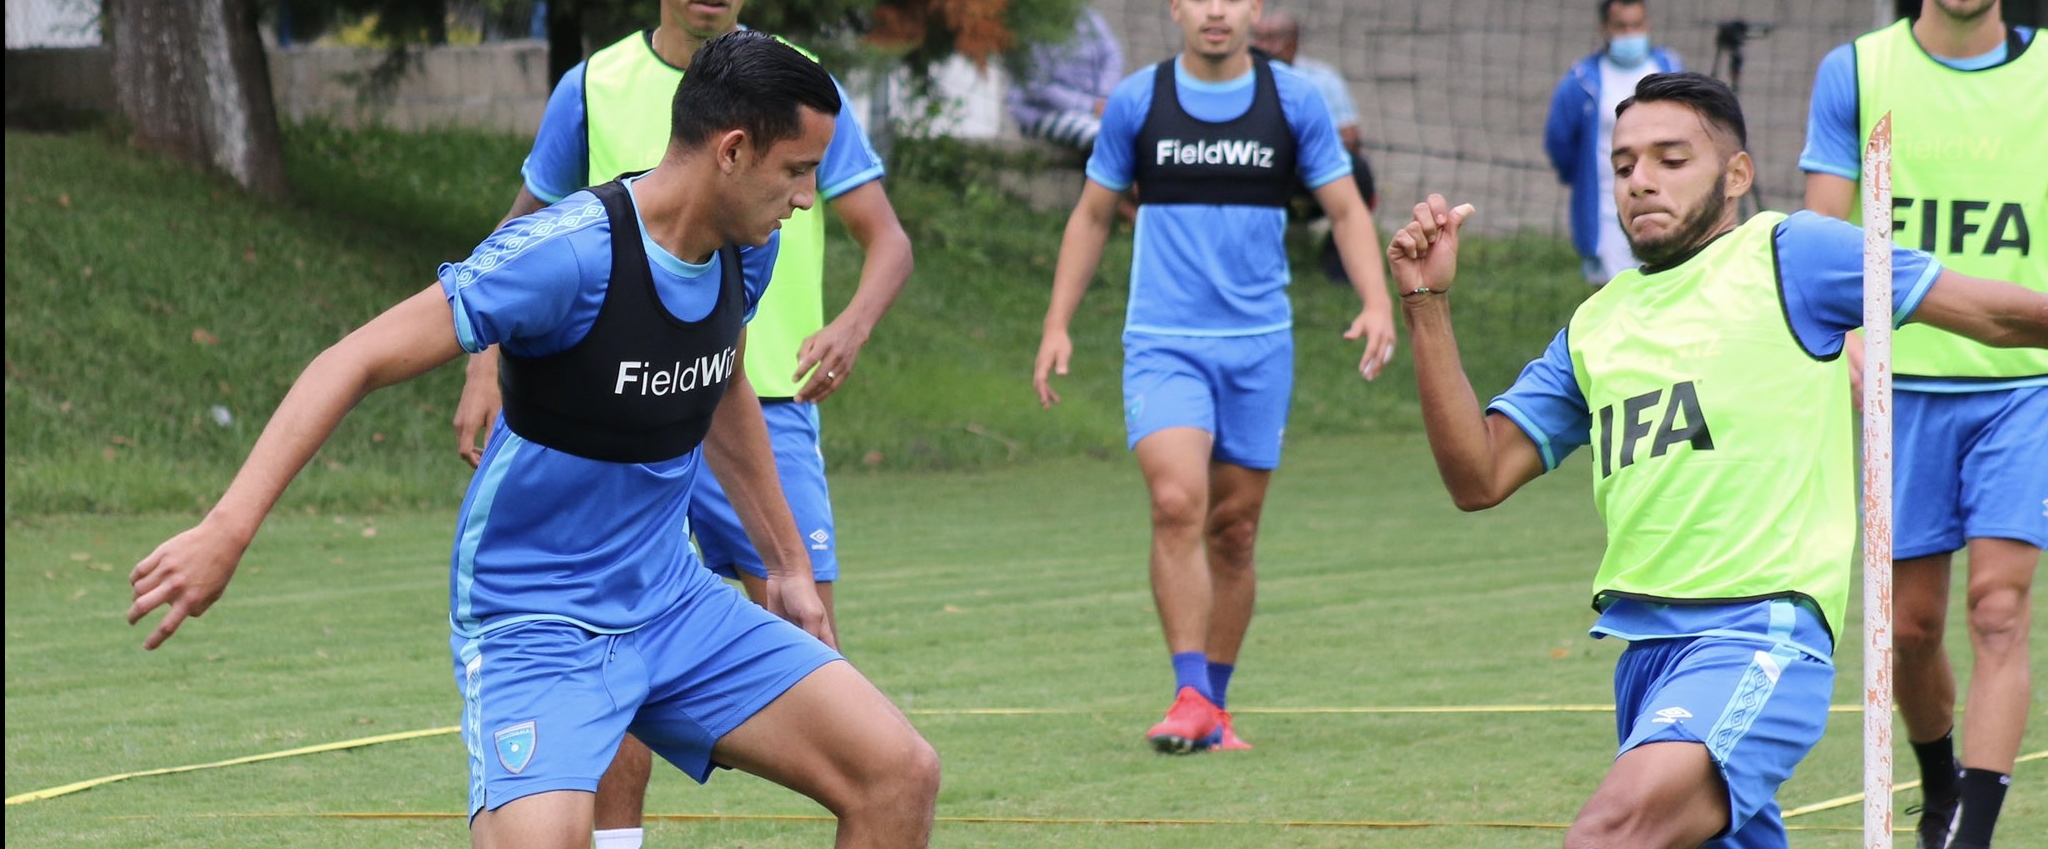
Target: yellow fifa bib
x=1724 y=467
x=628 y=93
x=1969 y=183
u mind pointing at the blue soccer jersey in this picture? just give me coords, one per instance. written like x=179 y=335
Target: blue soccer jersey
x=1212 y=270
x=1820 y=270
x=560 y=160
x=547 y=535
x=1833 y=143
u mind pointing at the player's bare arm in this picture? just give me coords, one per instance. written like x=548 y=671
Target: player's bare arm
x=1357 y=245
x=189 y=572
x=480 y=402
x=1993 y=312
x=738 y=452
x=829 y=354
x=1482 y=458
x=1830 y=195
x=1080 y=253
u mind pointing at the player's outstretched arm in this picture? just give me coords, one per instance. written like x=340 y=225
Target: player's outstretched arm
x=869 y=217
x=1080 y=253
x=1351 y=228
x=739 y=453
x=1482 y=459
x=1993 y=312
x=189 y=572
x=478 y=408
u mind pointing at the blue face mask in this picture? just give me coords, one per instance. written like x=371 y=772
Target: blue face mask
x=1629 y=51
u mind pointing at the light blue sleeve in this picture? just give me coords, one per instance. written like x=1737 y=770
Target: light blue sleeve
x=1546 y=404
x=1319 y=157
x=1820 y=275
x=850 y=161
x=1834 y=143
x=755 y=267
x=560 y=159
x=523 y=288
x=1112 y=165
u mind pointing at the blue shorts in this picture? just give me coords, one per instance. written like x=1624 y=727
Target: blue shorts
x=1236 y=388
x=722 y=541
x=1758 y=707
x=1970 y=465
x=545 y=703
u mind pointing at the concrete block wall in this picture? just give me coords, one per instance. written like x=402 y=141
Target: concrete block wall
x=500 y=86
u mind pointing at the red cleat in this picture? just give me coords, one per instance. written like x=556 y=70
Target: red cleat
x=1229 y=741
x=1187 y=724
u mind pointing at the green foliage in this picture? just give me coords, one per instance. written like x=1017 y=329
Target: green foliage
x=117 y=262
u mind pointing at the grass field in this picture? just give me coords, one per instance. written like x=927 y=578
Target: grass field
x=995 y=587
x=141 y=297
x=1021 y=588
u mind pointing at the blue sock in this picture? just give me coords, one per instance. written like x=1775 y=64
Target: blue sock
x=1191 y=669
x=1219 y=681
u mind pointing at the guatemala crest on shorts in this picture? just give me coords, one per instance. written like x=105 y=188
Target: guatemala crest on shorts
x=515 y=746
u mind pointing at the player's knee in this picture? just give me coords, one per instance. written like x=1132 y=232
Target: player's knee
x=1998 y=618
x=1233 y=534
x=1917 y=634
x=1174 y=506
x=906 y=782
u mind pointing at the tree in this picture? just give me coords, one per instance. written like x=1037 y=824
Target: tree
x=192 y=81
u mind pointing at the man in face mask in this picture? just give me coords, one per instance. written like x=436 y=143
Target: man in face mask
x=1582 y=121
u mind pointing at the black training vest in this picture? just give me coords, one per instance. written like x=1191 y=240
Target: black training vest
x=642 y=384
x=1246 y=161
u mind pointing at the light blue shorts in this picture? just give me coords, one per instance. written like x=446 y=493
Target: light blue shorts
x=1968 y=466
x=545 y=703
x=1236 y=388
x=722 y=540
x=1758 y=707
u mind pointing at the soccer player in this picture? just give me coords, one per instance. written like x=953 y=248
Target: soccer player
x=1970 y=187
x=1214 y=140
x=1723 y=467
x=605 y=118
x=1581 y=122
x=577 y=612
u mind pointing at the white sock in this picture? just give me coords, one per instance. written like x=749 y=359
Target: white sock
x=619 y=838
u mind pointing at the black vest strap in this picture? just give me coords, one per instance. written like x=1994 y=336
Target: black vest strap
x=641 y=385
x=1246 y=161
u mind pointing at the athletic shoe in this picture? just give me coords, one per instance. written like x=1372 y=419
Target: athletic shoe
x=1938 y=819
x=1187 y=724
x=1225 y=739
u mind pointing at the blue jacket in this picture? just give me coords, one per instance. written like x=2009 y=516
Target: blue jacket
x=1571 y=138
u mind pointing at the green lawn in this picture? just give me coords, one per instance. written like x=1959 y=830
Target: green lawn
x=995 y=551
x=1020 y=588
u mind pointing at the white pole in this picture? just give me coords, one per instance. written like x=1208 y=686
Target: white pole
x=1877 y=487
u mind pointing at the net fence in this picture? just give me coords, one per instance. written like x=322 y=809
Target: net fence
x=1452 y=94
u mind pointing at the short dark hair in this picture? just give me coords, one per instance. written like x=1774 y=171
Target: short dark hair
x=749 y=81
x=1712 y=99
x=1608 y=5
